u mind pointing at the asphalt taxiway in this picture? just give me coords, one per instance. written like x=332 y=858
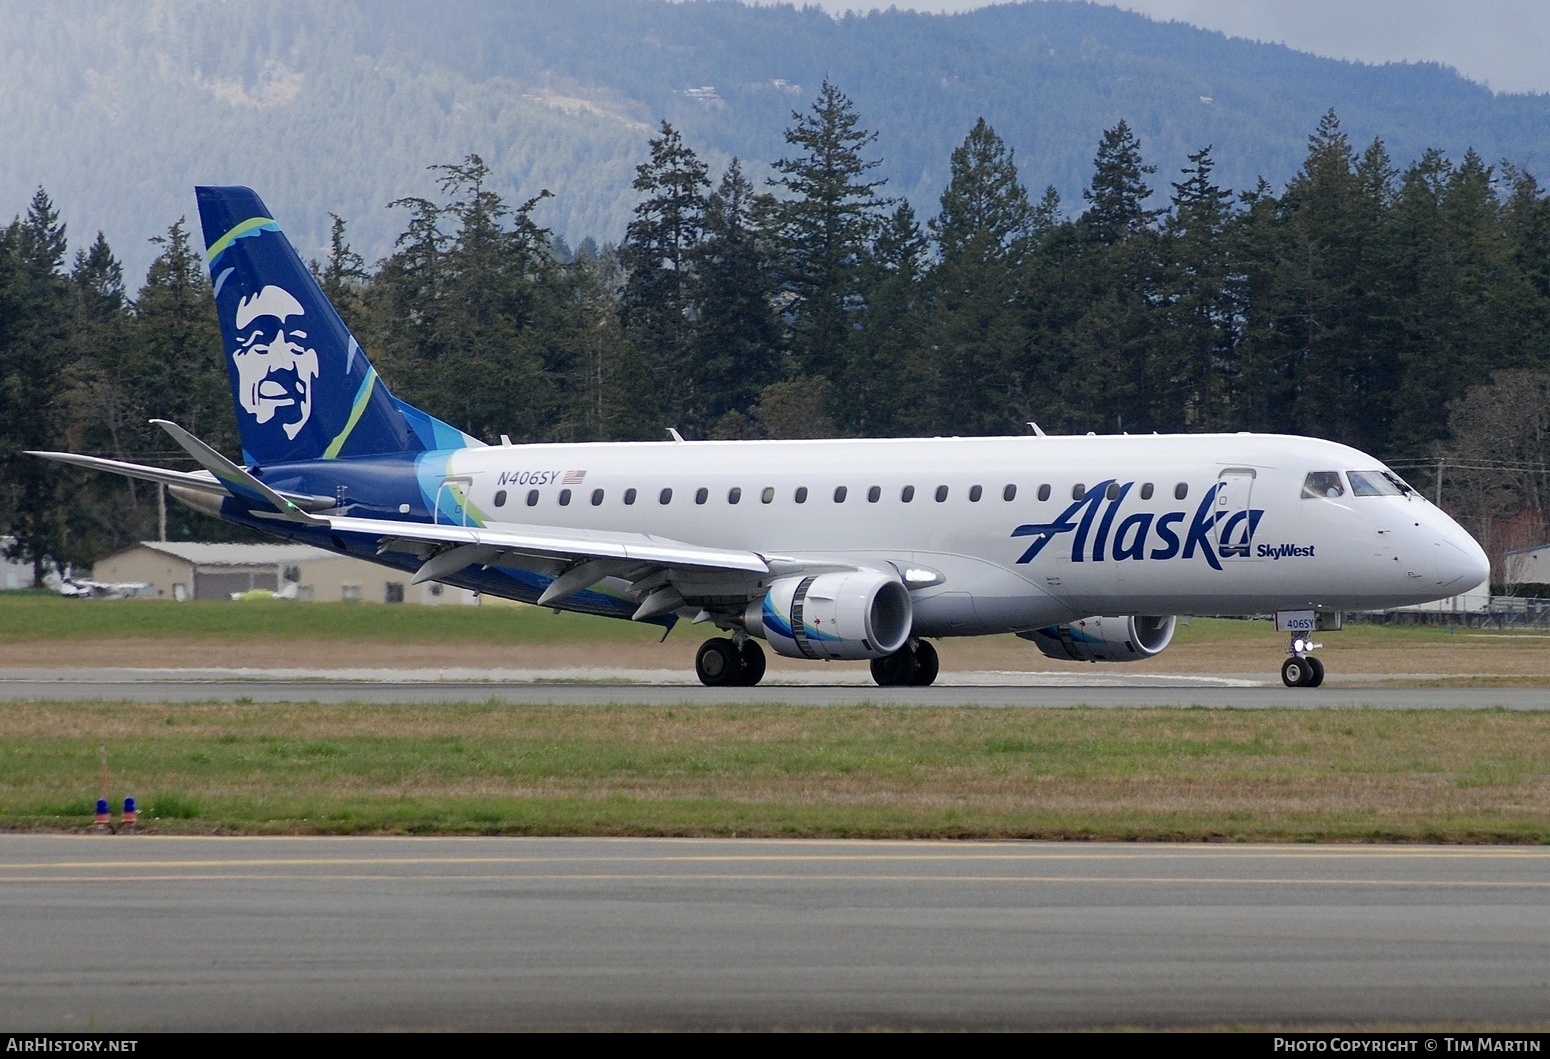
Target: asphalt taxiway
x=671 y=687
x=118 y=934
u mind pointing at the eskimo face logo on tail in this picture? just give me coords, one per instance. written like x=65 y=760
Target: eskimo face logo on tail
x=275 y=371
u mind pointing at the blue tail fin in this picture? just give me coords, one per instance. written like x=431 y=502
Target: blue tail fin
x=303 y=388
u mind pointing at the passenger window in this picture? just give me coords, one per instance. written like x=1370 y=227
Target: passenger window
x=500 y=498
x=1112 y=492
x=839 y=494
x=597 y=498
x=874 y=494
x=532 y=498
x=941 y=493
x=701 y=495
x=1043 y=492
x=1078 y=491
x=1010 y=493
x=975 y=492
x=564 y=497
x=1146 y=490
x=1323 y=484
x=665 y=496
x=801 y=496
x=1180 y=491
x=629 y=496
x=734 y=494
x=768 y=495
x=907 y=494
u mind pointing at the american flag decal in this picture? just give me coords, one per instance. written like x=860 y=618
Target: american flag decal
x=573 y=477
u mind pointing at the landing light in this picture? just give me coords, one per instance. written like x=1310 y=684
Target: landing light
x=921 y=577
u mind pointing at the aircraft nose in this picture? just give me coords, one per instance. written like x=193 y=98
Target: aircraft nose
x=1461 y=562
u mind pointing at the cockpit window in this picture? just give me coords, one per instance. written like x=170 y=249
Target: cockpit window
x=1373 y=483
x=1322 y=484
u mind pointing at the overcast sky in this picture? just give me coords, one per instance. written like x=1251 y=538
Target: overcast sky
x=1502 y=43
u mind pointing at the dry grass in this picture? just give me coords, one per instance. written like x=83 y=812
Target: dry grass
x=1207 y=646
x=774 y=770
x=44 y=630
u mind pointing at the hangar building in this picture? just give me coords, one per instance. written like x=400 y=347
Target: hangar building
x=183 y=570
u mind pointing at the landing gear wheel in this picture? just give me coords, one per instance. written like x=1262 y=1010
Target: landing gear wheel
x=896 y=670
x=926 y=665
x=718 y=664
x=1317 y=672
x=1297 y=672
x=752 y=658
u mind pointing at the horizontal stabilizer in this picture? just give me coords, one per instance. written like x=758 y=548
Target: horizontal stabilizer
x=202 y=481
x=239 y=482
x=198 y=481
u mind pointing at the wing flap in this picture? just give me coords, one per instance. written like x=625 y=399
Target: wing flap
x=564 y=544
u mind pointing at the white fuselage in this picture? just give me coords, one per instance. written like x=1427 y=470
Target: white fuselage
x=1027 y=530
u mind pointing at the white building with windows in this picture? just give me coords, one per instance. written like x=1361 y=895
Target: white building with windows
x=13 y=573
x=1527 y=566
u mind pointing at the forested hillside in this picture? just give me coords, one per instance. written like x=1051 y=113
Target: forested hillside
x=1404 y=309
x=340 y=105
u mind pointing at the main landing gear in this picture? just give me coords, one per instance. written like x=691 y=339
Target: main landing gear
x=1302 y=670
x=915 y=664
x=724 y=663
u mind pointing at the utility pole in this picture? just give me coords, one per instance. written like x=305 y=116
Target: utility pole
x=1439 y=481
x=161 y=511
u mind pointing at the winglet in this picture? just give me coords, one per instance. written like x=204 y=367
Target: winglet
x=241 y=483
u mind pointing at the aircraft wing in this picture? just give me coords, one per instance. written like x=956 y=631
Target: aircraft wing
x=660 y=574
x=560 y=543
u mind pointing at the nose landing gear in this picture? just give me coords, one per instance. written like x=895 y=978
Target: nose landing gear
x=913 y=665
x=1302 y=670
x=724 y=663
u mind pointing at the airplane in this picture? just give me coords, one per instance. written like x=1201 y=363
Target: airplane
x=73 y=587
x=1087 y=546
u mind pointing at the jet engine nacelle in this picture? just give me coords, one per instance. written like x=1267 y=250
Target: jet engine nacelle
x=1105 y=638
x=849 y=615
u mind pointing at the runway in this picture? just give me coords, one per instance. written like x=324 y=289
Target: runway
x=121 y=934
x=661 y=687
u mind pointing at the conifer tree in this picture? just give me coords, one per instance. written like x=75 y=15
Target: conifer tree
x=1201 y=290
x=107 y=511
x=1110 y=348
x=736 y=350
x=985 y=211
x=886 y=391
x=659 y=254
x=1118 y=192
x=468 y=295
x=977 y=335
x=177 y=366
x=34 y=361
x=827 y=222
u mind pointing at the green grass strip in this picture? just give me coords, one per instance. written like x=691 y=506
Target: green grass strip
x=490 y=768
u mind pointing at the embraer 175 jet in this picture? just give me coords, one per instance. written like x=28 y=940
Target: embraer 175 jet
x=847 y=549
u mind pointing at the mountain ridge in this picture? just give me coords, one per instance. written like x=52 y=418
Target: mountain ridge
x=341 y=105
